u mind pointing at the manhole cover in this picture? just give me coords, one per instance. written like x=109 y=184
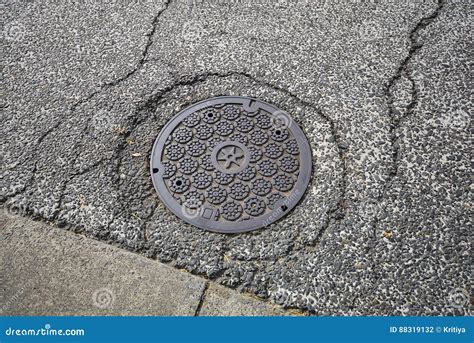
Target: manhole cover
x=231 y=164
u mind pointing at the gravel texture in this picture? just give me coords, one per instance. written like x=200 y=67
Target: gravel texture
x=379 y=88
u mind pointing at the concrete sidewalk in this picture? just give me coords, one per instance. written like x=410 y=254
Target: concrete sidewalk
x=50 y=271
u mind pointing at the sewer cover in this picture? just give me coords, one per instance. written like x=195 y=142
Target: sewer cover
x=231 y=164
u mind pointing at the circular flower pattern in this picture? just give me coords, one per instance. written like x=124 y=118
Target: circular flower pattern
x=204 y=131
x=224 y=128
x=222 y=178
x=211 y=115
x=254 y=206
x=260 y=186
x=263 y=121
x=292 y=147
x=183 y=135
x=272 y=199
x=179 y=184
x=196 y=148
x=169 y=170
x=289 y=164
x=216 y=195
x=247 y=174
x=187 y=165
x=273 y=150
x=283 y=182
x=206 y=163
x=193 y=199
x=213 y=142
x=231 y=211
x=192 y=179
x=192 y=120
x=231 y=112
x=279 y=134
x=239 y=191
x=244 y=124
x=174 y=152
x=192 y=203
x=267 y=168
x=258 y=137
x=202 y=180
x=238 y=137
x=255 y=154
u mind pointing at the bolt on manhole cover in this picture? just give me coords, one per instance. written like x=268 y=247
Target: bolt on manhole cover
x=231 y=164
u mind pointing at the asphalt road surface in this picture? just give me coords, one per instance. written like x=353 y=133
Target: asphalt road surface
x=381 y=90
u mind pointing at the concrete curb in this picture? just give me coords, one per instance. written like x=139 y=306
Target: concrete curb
x=49 y=271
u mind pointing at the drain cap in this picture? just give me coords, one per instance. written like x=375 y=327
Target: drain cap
x=231 y=164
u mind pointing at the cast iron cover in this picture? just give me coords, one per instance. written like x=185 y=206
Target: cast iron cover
x=231 y=164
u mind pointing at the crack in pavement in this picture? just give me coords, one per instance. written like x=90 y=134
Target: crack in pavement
x=107 y=85
x=84 y=131
x=415 y=46
x=142 y=60
x=201 y=299
x=338 y=210
x=23 y=189
x=395 y=121
x=333 y=214
x=40 y=139
x=149 y=108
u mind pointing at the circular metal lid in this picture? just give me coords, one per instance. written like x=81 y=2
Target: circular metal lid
x=231 y=164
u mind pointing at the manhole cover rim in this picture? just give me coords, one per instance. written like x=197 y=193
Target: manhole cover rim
x=263 y=221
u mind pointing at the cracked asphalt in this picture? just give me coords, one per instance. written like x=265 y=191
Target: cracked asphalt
x=381 y=89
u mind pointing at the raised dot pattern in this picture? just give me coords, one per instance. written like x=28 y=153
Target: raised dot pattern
x=270 y=176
